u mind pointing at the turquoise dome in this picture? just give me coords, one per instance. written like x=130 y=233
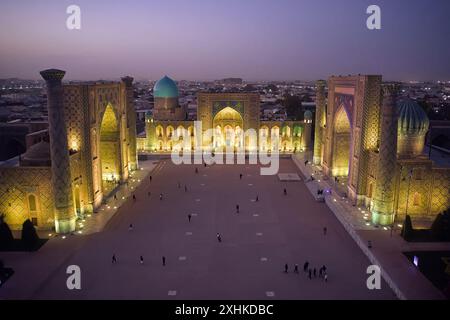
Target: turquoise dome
x=411 y=118
x=165 y=88
x=308 y=115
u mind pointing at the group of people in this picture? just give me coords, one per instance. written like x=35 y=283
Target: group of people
x=141 y=260
x=311 y=272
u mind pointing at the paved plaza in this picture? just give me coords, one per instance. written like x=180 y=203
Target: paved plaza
x=247 y=264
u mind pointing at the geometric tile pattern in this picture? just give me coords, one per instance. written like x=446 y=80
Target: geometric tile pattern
x=383 y=199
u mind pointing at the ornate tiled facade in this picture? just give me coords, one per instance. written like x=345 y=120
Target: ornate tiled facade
x=92 y=131
x=221 y=111
x=384 y=168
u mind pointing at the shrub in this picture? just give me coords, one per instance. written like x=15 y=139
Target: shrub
x=30 y=238
x=407 y=230
x=440 y=228
x=6 y=237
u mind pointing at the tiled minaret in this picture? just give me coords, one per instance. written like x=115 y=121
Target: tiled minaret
x=319 y=122
x=383 y=198
x=131 y=118
x=65 y=216
x=306 y=136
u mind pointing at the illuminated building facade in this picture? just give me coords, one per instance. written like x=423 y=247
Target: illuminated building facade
x=373 y=143
x=228 y=115
x=91 y=148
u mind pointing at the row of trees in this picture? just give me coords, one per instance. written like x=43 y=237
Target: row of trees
x=29 y=238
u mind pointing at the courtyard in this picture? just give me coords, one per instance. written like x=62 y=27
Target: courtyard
x=248 y=264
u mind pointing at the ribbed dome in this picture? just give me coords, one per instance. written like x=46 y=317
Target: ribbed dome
x=411 y=118
x=308 y=115
x=39 y=151
x=165 y=88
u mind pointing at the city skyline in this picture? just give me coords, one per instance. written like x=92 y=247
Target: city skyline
x=199 y=40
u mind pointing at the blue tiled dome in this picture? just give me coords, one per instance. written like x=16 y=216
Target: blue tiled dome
x=308 y=115
x=411 y=118
x=165 y=88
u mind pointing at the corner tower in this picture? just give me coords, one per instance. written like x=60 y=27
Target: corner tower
x=319 y=121
x=65 y=216
x=384 y=194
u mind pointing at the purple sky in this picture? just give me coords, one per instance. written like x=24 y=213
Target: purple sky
x=209 y=39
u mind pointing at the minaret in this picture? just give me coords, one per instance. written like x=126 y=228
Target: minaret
x=131 y=121
x=307 y=125
x=383 y=198
x=65 y=216
x=319 y=122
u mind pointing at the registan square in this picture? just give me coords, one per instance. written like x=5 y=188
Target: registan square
x=234 y=150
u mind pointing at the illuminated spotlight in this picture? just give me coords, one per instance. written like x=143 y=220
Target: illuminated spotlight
x=49 y=234
x=334 y=200
x=385 y=228
x=109 y=207
x=63 y=237
x=367 y=224
x=123 y=198
x=342 y=183
x=142 y=169
x=132 y=188
x=363 y=211
x=88 y=215
x=139 y=180
x=359 y=209
x=115 y=207
x=400 y=225
x=366 y=218
x=103 y=209
x=80 y=232
x=318 y=180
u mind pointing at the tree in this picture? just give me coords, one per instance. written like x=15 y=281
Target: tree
x=440 y=229
x=30 y=237
x=407 y=230
x=6 y=237
x=293 y=105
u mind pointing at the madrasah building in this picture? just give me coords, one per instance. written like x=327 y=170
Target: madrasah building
x=362 y=135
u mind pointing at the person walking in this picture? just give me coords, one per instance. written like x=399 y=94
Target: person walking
x=115 y=197
x=305 y=266
x=114 y=259
x=325 y=231
x=286 y=268
x=163 y=260
x=240 y=176
x=179 y=185
x=325 y=277
x=257 y=198
x=285 y=192
x=160 y=196
x=189 y=217
x=219 y=237
x=141 y=260
x=150 y=178
x=310 y=274
x=306 y=162
x=237 y=208
x=185 y=188
x=134 y=197
x=296 y=268
x=315 y=273
x=196 y=170
x=149 y=194
x=130 y=227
